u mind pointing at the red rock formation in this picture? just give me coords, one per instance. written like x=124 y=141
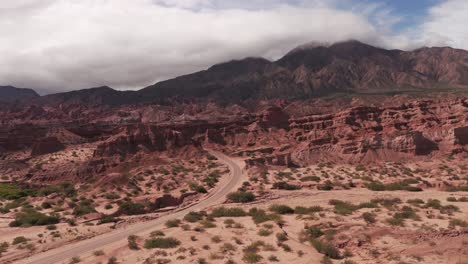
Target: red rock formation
x=46 y=146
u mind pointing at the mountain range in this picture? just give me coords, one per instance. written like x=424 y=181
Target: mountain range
x=348 y=67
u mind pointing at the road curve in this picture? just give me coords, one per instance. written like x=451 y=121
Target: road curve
x=79 y=248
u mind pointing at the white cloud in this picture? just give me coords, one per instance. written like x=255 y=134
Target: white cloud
x=60 y=45
x=445 y=25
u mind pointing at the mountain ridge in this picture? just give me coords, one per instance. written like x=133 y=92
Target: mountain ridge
x=304 y=72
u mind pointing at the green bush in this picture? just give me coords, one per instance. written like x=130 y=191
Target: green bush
x=264 y=232
x=161 y=242
x=31 y=217
x=325 y=248
x=369 y=218
x=132 y=242
x=397 y=186
x=112 y=196
x=241 y=197
x=314 y=232
x=19 y=240
x=11 y=192
x=3 y=247
x=307 y=210
x=84 y=207
x=281 y=209
x=193 y=217
x=285 y=186
x=228 y=212
x=251 y=257
x=260 y=216
x=310 y=178
x=173 y=223
x=343 y=208
x=130 y=208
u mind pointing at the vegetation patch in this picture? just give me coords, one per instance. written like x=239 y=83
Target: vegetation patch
x=241 y=197
x=162 y=242
x=31 y=217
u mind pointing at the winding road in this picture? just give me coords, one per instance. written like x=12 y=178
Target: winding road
x=79 y=248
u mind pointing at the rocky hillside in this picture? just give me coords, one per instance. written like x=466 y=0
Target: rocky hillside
x=351 y=68
x=348 y=67
x=11 y=94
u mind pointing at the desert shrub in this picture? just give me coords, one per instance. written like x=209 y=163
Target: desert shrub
x=462 y=188
x=193 y=217
x=51 y=227
x=46 y=205
x=343 y=208
x=396 y=221
x=241 y=197
x=433 y=203
x=458 y=222
x=216 y=239
x=161 y=242
x=11 y=192
x=285 y=186
x=19 y=240
x=327 y=186
x=314 y=232
x=281 y=209
x=307 y=210
x=396 y=186
x=369 y=218
x=132 y=242
x=130 y=208
x=264 y=232
x=228 y=212
x=197 y=187
x=281 y=237
x=407 y=213
x=451 y=199
x=83 y=208
x=310 y=178
x=260 y=216
x=108 y=219
x=207 y=224
x=173 y=223
x=3 y=247
x=157 y=233
x=415 y=202
x=31 y=217
x=98 y=253
x=212 y=179
x=326 y=248
x=251 y=257
x=112 y=196
x=75 y=260
x=112 y=260
x=449 y=209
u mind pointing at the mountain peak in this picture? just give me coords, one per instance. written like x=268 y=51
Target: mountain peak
x=10 y=93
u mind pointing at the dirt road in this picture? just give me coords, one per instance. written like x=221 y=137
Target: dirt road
x=76 y=249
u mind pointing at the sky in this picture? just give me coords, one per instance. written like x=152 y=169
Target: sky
x=61 y=45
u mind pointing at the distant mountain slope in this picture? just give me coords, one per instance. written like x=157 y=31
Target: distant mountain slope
x=11 y=94
x=307 y=71
x=317 y=70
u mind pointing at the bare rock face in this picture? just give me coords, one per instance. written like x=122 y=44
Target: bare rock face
x=46 y=146
x=461 y=135
x=142 y=137
x=274 y=117
x=371 y=133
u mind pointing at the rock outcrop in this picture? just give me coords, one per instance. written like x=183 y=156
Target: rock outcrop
x=46 y=146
